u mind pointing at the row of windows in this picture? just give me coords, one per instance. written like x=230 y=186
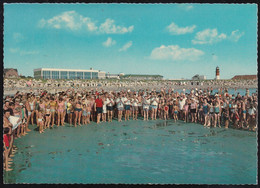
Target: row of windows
x=68 y=75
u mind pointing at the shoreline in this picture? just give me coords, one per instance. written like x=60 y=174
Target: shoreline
x=12 y=91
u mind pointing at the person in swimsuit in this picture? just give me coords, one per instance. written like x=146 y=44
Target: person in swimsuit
x=217 y=114
x=205 y=112
x=193 y=110
x=47 y=116
x=40 y=121
x=104 y=109
x=236 y=116
x=211 y=115
x=226 y=117
x=32 y=108
x=77 y=112
x=146 y=103
x=88 y=112
x=120 y=107
x=6 y=144
x=166 y=111
x=37 y=108
x=186 y=111
x=154 y=104
x=134 y=103
x=110 y=104
x=127 y=104
x=17 y=113
x=175 y=111
x=69 y=111
x=53 y=106
x=84 y=114
x=60 y=110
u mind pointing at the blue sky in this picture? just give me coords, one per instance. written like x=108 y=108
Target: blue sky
x=174 y=40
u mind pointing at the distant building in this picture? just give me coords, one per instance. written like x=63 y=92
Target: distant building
x=141 y=77
x=244 y=77
x=217 y=73
x=112 y=76
x=50 y=73
x=198 y=77
x=11 y=73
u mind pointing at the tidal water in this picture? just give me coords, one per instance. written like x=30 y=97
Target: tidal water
x=142 y=152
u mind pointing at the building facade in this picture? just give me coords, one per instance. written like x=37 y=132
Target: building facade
x=11 y=73
x=198 y=77
x=141 y=77
x=245 y=77
x=50 y=73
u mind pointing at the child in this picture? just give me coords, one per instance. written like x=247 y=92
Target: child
x=88 y=112
x=6 y=140
x=84 y=114
x=175 y=112
x=166 y=111
x=40 y=121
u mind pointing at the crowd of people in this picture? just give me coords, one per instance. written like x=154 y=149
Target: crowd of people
x=78 y=108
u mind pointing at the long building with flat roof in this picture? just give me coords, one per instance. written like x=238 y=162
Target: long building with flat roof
x=52 y=73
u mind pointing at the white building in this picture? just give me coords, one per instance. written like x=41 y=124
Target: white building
x=51 y=73
x=199 y=77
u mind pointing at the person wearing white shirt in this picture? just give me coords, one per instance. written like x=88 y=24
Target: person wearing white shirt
x=110 y=103
x=154 y=103
x=120 y=107
x=146 y=104
x=134 y=102
x=104 y=111
x=181 y=105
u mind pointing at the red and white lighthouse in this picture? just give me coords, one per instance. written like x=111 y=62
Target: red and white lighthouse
x=217 y=73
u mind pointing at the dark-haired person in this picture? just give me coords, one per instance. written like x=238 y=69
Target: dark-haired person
x=110 y=104
x=98 y=106
x=6 y=144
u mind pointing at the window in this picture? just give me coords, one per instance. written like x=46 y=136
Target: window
x=87 y=75
x=79 y=75
x=72 y=75
x=37 y=74
x=46 y=74
x=63 y=75
x=55 y=74
x=94 y=75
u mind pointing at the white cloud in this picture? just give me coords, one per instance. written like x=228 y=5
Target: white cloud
x=69 y=20
x=208 y=36
x=126 y=46
x=174 y=52
x=109 y=27
x=236 y=35
x=176 y=30
x=23 y=52
x=73 y=21
x=109 y=42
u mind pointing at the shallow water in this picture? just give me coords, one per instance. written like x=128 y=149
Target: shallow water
x=136 y=152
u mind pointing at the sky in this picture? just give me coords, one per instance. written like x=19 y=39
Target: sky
x=174 y=40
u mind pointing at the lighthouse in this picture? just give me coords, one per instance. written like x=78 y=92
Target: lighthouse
x=217 y=73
